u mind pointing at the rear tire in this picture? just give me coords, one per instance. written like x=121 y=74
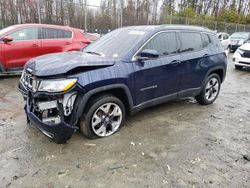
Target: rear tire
x=210 y=90
x=103 y=117
x=238 y=67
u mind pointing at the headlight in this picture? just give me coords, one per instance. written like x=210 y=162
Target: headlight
x=57 y=85
x=241 y=42
x=239 y=51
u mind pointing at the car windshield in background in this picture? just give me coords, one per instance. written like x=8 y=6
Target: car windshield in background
x=116 y=43
x=4 y=30
x=240 y=36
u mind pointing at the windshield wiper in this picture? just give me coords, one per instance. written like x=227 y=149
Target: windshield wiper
x=95 y=53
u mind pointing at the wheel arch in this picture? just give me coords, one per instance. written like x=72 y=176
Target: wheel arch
x=120 y=91
x=219 y=70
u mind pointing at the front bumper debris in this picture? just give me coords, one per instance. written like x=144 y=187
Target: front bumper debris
x=52 y=114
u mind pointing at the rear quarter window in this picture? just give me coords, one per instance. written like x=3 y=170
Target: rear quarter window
x=190 y=41
x=206 y=40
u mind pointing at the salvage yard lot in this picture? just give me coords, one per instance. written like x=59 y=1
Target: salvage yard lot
x=177 y=144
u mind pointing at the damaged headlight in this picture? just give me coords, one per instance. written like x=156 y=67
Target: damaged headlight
x=57 y=85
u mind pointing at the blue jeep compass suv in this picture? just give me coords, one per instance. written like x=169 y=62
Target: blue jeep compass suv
x=123 y=72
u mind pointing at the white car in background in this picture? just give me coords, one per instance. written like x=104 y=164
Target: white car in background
x=225 y=41
x=241 y=57
x=237 y=39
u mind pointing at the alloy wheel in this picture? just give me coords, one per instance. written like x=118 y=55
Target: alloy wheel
x=212 y=89
x=107 y=119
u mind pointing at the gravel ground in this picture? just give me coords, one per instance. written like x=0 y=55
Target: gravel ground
x=178 y=144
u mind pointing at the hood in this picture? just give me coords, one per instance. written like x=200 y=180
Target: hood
x=61 y=63
x=245 y=46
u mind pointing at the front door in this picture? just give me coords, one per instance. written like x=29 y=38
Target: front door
x=25 y=45
x=158 y=78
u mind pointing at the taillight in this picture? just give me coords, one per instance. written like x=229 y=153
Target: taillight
x=86 y=41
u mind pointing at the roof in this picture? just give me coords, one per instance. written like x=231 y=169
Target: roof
x=40 y=25
x=170 y=27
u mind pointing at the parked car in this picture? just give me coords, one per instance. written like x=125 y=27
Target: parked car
x=241 y=57
x=225 y=41
x=91 y=36
x=223 y=36
x=123 y=72
x=237 y=39
x=19 y=43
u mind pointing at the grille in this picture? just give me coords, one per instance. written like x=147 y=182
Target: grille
x=29 y=81
x=246 y=54
x=244 y=63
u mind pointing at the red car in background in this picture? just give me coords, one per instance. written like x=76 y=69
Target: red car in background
x=19 y=43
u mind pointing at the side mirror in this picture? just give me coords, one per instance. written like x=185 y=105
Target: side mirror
x=7 y=39
x=148 y=54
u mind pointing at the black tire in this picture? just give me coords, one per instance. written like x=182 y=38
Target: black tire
x=85 y=123
x=2 y=70
x=201 y=98
x=238 y=67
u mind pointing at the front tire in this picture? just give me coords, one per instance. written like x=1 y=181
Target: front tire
x=104 y=116
x=210 y=91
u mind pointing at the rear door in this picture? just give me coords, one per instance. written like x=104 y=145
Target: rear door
x=56 y=40
x=194 y=57
x=25 y=45
x=159 y=77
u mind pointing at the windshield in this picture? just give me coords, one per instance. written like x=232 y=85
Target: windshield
x=116 y=43
x=4 y=30
x=240 y=36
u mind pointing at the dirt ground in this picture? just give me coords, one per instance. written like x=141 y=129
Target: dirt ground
x=178 y=144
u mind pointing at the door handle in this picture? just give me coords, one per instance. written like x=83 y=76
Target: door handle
x=206 y=55
x=34 y=45
x=175 y=62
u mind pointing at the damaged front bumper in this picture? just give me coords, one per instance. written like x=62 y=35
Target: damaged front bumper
x=53 y=114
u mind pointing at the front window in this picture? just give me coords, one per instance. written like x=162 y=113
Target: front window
x=164 y=43
x=116 y=43
x=25 y=34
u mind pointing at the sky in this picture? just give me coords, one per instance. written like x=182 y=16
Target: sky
x=94 y=2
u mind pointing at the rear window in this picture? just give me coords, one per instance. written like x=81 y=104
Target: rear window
x=51 y=33
x=190 y=41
